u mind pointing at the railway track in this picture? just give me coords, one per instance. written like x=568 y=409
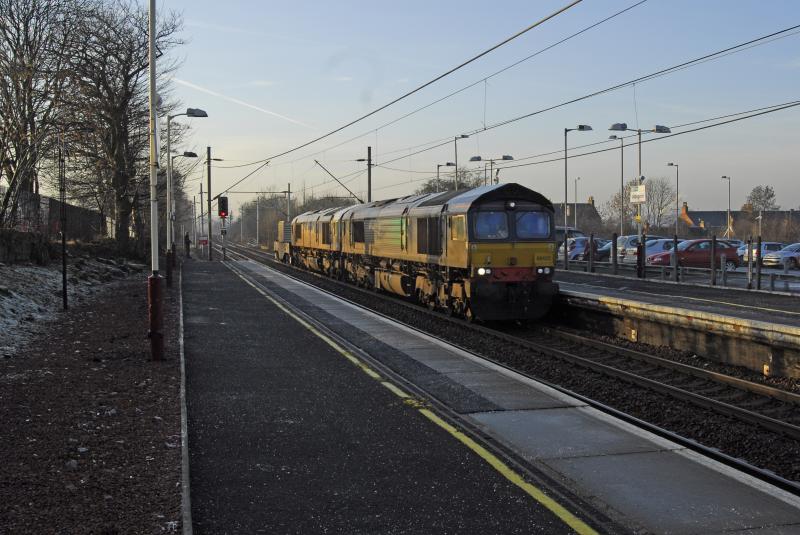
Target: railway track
x=769 y=408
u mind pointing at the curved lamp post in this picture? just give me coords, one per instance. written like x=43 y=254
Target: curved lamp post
x=439 y=166
x=190 y=112
x=657 y=129
x=579 y=128
x=677 y=183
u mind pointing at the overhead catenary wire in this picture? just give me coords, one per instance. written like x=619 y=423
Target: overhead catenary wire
x=661 y=72
x=760 y=112
x=423 y=86
x=464 y=88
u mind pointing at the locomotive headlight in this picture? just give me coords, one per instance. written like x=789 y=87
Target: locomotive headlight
x=539 y=271
x=511 y=205
x=488 y=271
x=547 y=271
x=481 y=271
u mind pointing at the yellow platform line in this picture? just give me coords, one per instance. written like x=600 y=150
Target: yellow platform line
x=580 y=527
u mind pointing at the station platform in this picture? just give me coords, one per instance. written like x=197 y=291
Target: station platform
x=756 y=330
x=308 y=414
x=738 y=303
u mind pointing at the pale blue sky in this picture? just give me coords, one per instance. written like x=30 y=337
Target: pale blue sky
x=320 y=64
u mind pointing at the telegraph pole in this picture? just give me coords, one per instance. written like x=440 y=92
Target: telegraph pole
x=288 y=203
x=208 y=195
x=369 y=174
x=154 y=295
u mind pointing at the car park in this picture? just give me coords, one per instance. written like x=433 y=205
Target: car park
x=571 y=232
x=789 y=255
x=576 y=247
x=697 y=253
x=627 y=254
x=766 y=248
x=602 y=254
x=654 y=246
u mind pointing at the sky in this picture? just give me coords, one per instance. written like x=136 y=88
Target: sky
x=274 y=75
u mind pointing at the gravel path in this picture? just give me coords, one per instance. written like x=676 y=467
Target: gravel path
x=91 y=427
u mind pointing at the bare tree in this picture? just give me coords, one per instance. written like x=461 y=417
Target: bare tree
x=762 y=198
x=660 y=203
x=467 y=178
x=110 y=105
x=36 y=41
x=611 y=208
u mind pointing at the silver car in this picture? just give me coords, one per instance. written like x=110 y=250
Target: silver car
x=767 y=247
x=788 y=255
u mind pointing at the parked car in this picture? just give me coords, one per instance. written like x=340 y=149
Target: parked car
x=697 y=253
x=576 y=247
x=628 y=255
x=654 y=246
x=788 y=255
x=602 y=254
x=766 y=248
x=571 y=232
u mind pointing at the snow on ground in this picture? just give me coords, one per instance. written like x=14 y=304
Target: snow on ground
x=30 y=295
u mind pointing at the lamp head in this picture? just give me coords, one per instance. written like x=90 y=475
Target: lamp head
x=189 y=154
x=613 y=136
x=195 y=112
x=507 y=157
x=476 y=159
x=670 y=164
x=583 y=128
x=450 y=164
x=462 y=136
x=618 y=127
x=661 y=129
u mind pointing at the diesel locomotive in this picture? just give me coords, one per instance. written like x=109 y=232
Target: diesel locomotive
x=486 y=253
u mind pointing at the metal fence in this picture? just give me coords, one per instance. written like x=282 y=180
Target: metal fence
x=779 y=279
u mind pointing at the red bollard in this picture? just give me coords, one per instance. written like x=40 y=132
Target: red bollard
x=155 y=302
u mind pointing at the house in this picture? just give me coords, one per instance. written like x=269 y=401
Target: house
x=775 y=224
x=588 y=217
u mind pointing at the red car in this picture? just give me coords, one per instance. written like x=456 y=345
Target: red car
x=697 y=253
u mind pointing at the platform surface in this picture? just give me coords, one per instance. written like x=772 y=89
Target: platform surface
x=639 y=480
x=735 y=303
x=287 y=436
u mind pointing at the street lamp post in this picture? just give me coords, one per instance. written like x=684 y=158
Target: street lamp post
x=190 y=112
x=504 y=157
x=575 y=203
x=621 y=183
x=677 y=185
x=439 y=166
x=657 y=129
x=455 y=147
x=579 y=128
x=171 y=165
x=728 y=228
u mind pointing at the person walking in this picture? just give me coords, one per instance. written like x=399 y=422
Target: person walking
x=187 y=242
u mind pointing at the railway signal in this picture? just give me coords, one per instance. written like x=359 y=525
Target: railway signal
x=223 y=206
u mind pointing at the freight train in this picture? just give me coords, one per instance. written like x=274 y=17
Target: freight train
x=486 y=253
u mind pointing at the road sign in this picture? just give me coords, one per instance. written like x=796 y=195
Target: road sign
x=638 y=194
x=202 y=240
